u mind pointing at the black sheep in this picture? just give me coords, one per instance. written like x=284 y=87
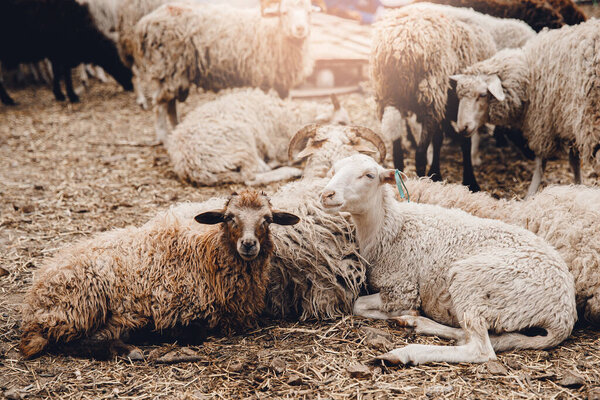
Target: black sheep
x=62 y=31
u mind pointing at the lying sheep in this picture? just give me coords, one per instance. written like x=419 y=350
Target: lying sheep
x=549 y=89
x=167 y=273
x=218 y=47
x=479 y=280
x=414 y=52
x=45 y=29
x=317 y=271
x=241 y=136
x=565 y=216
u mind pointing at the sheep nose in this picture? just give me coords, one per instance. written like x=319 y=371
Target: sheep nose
x=328 y=194
x=248 y=243
x=300 y=30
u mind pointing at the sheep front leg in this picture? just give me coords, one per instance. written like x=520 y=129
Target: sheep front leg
x=540 y=163
x=371 y=306
x=4 y=96
x=425 y=326
x=475 y=158
x=575 y=165
x=161 y=124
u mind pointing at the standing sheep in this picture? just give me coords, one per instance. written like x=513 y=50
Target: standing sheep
x=414 y=52
x=565 y=216
x=480 y=281
x=549 y=89
x=169 y=272
x=539 y=14
x=242 y=136
x=218 y=47
x=63 y=32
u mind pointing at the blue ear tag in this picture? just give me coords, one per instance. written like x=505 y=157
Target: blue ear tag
x=401 y=186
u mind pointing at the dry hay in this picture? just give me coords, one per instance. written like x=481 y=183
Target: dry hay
x=69 y=171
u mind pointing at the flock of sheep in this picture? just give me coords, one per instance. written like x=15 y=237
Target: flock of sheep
x=449 y=262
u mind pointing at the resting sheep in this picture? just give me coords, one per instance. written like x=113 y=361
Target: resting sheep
x=242 y=136
x=549 y=89
x=565 y=216
x=317 y=271
x=469 y=275
x=169 y=272
x=45 y=29
x=414 y=51
x=218 y=47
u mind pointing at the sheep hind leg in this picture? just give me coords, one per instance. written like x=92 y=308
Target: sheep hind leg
x=538 y=173
x=4 y=96
x=73 y=98
x=58 y=72
x=476 y=349
x=575 y=165
x=516 y=341
x=172 y=112
x=434 y=170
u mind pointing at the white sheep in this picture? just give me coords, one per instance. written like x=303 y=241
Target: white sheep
x=242 y=136
x=480 y=281
x=550 y=89
x=565 y=216
x=167 y=273
x=218 y=47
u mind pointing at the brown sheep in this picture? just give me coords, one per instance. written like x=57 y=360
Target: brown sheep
x=170 y=272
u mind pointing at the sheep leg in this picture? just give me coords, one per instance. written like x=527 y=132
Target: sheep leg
x=475 y=158
x=476 y=349
x=73 y=98
x=468 y=174
x=425 y=326
x=58 y=72
x=276 y=175
x=172 y=111
x=161 y=124
x=137 y=83
x=398 y=154
x=370 y=307
x=4 y=96
x=434 y=169
x=575 y=165
x=83 y=76
x=427 y=131
x=540 y=164
x=100 y=74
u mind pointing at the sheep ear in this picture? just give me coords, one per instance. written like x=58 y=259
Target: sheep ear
x=210 y=217
x=387 y=176
x=284 y=218
x=495 y=87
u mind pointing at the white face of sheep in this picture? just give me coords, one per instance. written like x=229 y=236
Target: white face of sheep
x=354 y=185
x=294 y=16
x=246 y=219
x=474 y=93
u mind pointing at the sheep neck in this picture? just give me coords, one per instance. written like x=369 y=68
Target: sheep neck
x=369 y=223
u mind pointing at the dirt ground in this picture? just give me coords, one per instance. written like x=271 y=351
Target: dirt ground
x=69 y=171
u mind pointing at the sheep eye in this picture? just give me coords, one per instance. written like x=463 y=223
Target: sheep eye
x=370 y=176
x=482 y=95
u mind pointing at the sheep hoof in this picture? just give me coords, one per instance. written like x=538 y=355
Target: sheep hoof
x=405 y=321
x=135 y=355
x=476 y=161
x=73 y=98
x=395 y=357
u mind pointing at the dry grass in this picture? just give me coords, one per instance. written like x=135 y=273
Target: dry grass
x=68 y=171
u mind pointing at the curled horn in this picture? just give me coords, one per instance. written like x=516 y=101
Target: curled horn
x=300 y=139
x=372 y=137
x=335 y=102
